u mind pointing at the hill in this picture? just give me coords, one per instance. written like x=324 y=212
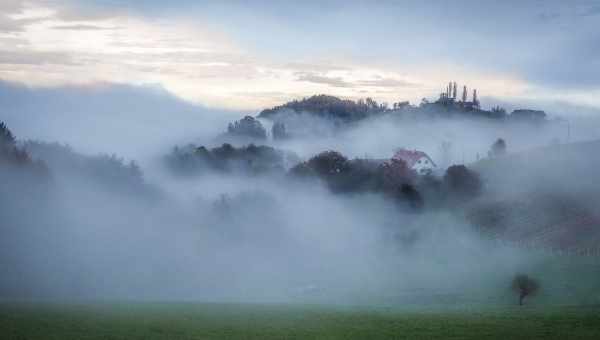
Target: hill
x=543 y=198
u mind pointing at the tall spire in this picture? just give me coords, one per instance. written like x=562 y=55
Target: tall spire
x=464 y=96
x=454 y=91
x=475 y=101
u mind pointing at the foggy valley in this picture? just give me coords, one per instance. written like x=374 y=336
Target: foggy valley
x=315 y=170
x=93 y=225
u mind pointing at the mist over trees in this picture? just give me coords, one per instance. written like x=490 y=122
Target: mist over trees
x=109 y=171
x=278 y=131
x=260 y=219
x=250 y=159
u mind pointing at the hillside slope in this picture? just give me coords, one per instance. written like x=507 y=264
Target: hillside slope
x=543 y=198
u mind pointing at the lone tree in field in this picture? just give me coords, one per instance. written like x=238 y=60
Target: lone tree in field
x=524 y=286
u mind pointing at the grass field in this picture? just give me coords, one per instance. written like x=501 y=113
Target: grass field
x=231 y=321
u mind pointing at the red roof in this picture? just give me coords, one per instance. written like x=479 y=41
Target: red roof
x=410 y=157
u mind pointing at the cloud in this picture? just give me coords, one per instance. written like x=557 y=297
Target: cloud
x=239 y=48
x=319 y=79
x=336 y=81
x=82 y=27
x=35 y=58
x=387 y=82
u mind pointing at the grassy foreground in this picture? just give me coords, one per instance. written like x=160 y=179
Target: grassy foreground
x=223 y=321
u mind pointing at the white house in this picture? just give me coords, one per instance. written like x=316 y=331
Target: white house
x=418 y=161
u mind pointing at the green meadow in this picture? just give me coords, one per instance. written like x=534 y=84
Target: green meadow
x=31 y=321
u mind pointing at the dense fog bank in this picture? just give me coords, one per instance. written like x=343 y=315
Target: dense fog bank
x=80 y=222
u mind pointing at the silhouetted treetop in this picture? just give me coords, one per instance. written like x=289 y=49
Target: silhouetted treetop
x=247 y=127
x=329 y=107
x=227 y=158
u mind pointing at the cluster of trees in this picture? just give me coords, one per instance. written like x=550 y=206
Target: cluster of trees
x=346 y=110
x=393 y=178
x=110 y=171
x=227 y=158
x=528 y=115
x=247 y=127
x=330 y=107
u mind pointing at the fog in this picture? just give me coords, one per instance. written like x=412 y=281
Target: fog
x=248 y=238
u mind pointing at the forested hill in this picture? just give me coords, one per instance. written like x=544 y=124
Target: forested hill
x=329 y=107
x=546 y=198
x=346 y=110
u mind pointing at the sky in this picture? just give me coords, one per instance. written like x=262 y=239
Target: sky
x=255 y=54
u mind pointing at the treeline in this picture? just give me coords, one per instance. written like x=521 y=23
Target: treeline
x=250 y=159
x=330 y=107
x=392 y=178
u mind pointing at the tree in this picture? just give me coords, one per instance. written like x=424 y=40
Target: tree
x=328 y=163
x=524 y=286
x=6 y=137
x=247 y=127
x=498 y=148
x=462 y=182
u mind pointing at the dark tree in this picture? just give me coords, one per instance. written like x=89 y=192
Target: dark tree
x=413 y=196
x=462 y=182
x=341 y=175
x=524 y=286
x=328 y=163
x=498 y=148
x=247 y=127
x=6 y=137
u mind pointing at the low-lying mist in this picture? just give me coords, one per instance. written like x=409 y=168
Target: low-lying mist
x=222 y=236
